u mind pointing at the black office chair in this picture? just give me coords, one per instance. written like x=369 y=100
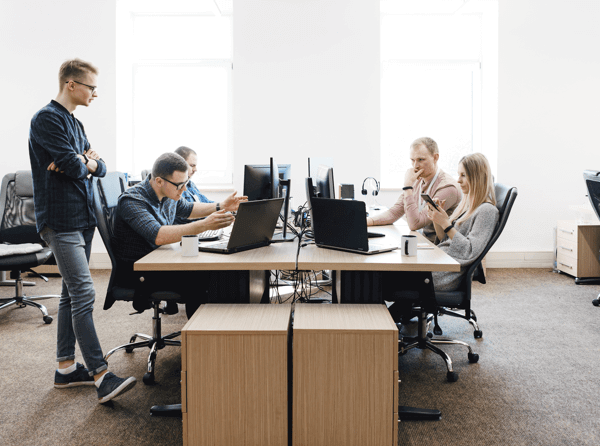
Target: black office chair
x=450 y=302
x=106 y=194
x=18 y=226
x=592 y=181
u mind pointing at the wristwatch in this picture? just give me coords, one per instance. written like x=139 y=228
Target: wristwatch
x=218 y=206
x=449 y=228
x=87 y=160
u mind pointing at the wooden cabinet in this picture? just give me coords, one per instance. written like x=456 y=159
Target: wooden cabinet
x=234 y=377
x=345 y=376
x=577 y=248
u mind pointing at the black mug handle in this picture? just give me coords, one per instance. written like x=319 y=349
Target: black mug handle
x=406 y=247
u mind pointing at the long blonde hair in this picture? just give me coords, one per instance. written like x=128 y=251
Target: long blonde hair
x=481 y=186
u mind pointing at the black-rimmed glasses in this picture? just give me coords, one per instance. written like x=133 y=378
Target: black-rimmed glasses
x=91 y=87
x=179 y=186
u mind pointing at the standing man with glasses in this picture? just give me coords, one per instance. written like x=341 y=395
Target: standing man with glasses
x=145 y=220
x=62 y=164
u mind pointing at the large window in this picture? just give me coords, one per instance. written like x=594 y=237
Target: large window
x=438 y=79
x=174 y=84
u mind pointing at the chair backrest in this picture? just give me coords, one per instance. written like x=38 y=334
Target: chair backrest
x=592 y=181
x=145 y=173
x=106 y=197
x=505 y=198
x=17 y=211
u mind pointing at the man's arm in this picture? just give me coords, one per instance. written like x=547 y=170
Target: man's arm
x=49 y=132
x=230 y=204
x=173 y=233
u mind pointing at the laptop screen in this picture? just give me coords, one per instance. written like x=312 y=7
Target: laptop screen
x=340 y=223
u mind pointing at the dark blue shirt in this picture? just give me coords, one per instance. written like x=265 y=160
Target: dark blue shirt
x=63 y=201
x=140 y=215
x=193 y=195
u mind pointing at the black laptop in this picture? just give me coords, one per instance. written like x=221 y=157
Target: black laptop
x=253 y=227
x=342 y=225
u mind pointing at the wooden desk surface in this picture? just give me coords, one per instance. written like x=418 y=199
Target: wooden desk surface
x=282 y=256
x=314 y=258
x=168 y=258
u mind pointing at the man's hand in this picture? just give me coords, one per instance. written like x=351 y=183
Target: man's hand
x=217 y=220
x=54 y=168
x=411 y=176
x=232 y=203
x=91 y=154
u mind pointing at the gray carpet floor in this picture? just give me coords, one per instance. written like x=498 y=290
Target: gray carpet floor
x=535 y=382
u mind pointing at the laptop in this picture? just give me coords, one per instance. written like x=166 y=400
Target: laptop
x=253 y=227
x=342 y=225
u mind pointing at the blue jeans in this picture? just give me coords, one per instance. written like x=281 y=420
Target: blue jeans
x=75 y=323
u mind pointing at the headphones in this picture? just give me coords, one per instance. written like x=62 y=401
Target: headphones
x=364 y=191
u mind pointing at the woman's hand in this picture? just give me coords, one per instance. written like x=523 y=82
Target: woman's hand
x=439 y=215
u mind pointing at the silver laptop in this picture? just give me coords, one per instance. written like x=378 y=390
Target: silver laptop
x=342 y=225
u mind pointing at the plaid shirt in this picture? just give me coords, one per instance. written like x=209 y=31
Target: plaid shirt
x=193 y=195
x=63 y=201
x=140 y=215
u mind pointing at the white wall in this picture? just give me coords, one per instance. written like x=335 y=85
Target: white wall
x=306 y=83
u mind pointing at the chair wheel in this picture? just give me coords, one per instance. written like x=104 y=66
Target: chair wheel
x=477 y=334
x=148 y=379
x=430 y=335
x=452 y=377
x=596 y=302
x=473 y=357
x=437 y=331
x=128 y=350
x=48 y=319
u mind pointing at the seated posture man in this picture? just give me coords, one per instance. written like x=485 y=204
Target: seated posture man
x=144 y=221
x=423 y=177
x=191 y=194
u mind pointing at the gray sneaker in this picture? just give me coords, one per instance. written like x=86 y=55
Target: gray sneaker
x=80 y=377
x=113 y=386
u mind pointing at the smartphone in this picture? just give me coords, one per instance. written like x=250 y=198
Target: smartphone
x=428 y=199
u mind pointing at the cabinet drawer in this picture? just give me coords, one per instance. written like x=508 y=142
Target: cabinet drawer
x=566 y=264
x=567 y=229
x=566 y=246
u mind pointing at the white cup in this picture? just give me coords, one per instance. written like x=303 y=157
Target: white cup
x=409 y=245
x=189 y=245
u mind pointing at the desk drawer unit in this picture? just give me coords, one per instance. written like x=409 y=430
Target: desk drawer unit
x=234 y=361
x=577 y=249
x=345 y=376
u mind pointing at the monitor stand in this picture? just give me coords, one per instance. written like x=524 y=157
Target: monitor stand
x=284 y=236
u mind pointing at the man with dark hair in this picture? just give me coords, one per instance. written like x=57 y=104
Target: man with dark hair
x=62 y=163
x=144 y=221
x=192 y=193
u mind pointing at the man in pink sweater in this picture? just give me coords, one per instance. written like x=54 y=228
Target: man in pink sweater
x=423 y=177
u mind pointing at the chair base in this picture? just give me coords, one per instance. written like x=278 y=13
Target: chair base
x=471 y=318
x=154 y=343
x=21 y=301
x=169 y=410
x=423 y=341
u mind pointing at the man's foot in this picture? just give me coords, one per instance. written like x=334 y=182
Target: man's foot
x=80 y=377
x=113 y=386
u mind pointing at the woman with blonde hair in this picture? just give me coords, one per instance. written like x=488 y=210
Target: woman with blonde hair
x=465 y=233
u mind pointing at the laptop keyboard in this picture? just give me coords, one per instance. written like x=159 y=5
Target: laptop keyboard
x=210 y=235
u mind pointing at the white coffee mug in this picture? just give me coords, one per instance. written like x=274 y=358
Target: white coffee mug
x=409 y=245
x=189 y=245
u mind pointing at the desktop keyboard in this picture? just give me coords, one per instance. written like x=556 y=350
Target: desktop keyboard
x=210 y=235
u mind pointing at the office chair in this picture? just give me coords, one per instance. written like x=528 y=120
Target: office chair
x=592 y=181
x=106 y=194
x=431 y=302
x=145 y=173
x=18 y=227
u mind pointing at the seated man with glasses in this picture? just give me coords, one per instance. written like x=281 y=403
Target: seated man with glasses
x=145 y=220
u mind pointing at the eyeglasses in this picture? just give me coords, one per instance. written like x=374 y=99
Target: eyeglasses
x=179 y=186
x=91 y=87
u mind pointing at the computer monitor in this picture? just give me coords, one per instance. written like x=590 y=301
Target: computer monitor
x=324 y=182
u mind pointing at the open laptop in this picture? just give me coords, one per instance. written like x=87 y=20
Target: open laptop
x=253 y=227
x=342 y=225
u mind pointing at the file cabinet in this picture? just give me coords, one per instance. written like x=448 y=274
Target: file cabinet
x=577 y=248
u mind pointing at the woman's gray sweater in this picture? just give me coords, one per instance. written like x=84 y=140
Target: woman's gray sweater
x=468 y=243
